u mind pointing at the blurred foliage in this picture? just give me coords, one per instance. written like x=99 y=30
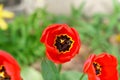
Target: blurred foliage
x=22 y=37
x=29 y=73
x=72 y=75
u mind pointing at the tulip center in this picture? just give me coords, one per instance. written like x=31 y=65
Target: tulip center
x=63 y=43
x=3 y=74
x=98 y=68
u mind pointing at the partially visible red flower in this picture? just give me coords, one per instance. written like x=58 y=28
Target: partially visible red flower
x=9 y=68
x=61 y=41
x=101 y=67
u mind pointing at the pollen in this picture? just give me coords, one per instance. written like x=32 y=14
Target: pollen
x=63 y=43
x=3 y=74
x=98 y=68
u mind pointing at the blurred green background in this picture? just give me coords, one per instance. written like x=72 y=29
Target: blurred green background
x=99 y=33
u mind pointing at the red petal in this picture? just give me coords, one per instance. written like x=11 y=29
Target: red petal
x=107 y=74
x=12 y=67
x=108 y=63
x=49 y=36
x=89 y=63
x=75 y=48
x=54 y=55
x=62 y=29
x=89 y=69
x=47 y=30
x=106 y=59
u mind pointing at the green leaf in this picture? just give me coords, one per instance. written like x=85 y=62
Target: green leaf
x=72 y=75
x=116 y=6
x=49 y=70
x=29 y=73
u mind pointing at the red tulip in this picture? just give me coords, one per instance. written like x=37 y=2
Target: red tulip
x=9 y=68
x=101 y=67
x=61 y=41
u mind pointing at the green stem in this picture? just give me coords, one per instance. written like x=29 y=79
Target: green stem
x=59 y=67
x=82 y=76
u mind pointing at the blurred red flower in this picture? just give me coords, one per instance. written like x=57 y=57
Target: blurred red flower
x=101 y=67
x=61 y=41
x=9 y=68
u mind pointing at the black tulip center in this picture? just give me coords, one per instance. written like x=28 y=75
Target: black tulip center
x=98 y=68
x=63 y=43
x=3 y=74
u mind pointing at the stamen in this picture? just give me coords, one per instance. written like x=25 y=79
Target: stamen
x=63 y=43
x=98 y=68
x=3 y=74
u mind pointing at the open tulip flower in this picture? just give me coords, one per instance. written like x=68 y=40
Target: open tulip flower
x=61 y=41
x=101 y=67
x=9 y=68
